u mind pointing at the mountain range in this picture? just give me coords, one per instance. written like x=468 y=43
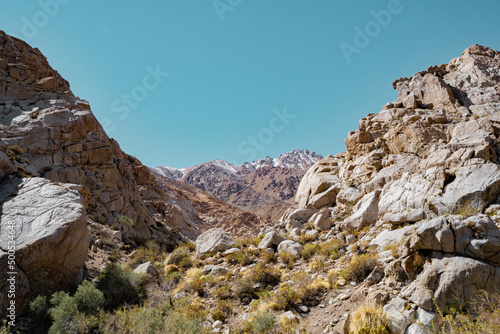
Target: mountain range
x=264 y=187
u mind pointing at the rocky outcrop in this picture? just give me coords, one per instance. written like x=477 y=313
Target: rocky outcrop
x=51 y=133
x=47 y=223
x=415 y=183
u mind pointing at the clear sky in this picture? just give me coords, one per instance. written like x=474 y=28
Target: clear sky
x=187 y=81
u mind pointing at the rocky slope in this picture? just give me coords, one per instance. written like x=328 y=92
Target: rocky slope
x=264 y=187
x=55 y=155
x=418 y=178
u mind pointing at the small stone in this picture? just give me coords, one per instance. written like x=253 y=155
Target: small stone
x=217 y=324
x=289 y=315
x=303 y=309
x=343 y=296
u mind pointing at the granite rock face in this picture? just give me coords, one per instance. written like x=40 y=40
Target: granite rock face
x=420 y=182
x=48 y=132
x=47 y=221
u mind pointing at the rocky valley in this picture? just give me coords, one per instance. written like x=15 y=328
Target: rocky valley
x=398 y=234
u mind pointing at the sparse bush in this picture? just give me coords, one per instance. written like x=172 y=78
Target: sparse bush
x=173 y=279
x=482 y=316
x=467 y=209
x=331 y=248
x=170 y=268
x=287 y=258
x=309 y=250
x=360 y=267
x=265 y=275
x=394 y=249
x=150 y=252
x=317 y=263
x=179 y=257
x=268 y=257
x=239 y=257
x=113 y=256
x=243 y=289
x=222 y=311
x=262 y=321
x=120 y=285
x=16 y=149
x=224 y=292
x=368 y=319
x=251 y=241
x=286 y=298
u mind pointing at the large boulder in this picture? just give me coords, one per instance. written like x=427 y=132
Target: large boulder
x=48 y=223
x=319 y=186
x=290 y=247
x=322 y=221
x=365 y=212
x=271 y=239
x=212 y=241
x=451 y=279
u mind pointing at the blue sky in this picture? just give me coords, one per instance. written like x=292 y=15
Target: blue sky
x=182 y=82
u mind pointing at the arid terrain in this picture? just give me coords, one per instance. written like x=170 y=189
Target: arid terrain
x=398 y=234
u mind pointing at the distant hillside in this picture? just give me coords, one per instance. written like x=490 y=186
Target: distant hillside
x=264 y=187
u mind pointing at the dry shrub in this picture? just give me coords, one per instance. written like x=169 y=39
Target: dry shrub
x=331 y=248
x=467 y=210
x=360 y=267
x=243 y=289
x=309 y=250
x=180 y=257
x=317 y=263
x=482 y=316
x=265 y=274
x=368 y=319
x=287 y=258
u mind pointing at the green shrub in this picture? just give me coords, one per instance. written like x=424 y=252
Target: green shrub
x=63 y=312
x=120 y=285
x=309 y=250
x=88 y=298
x=39 y=306
x=262 y=321
x=126 y=222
